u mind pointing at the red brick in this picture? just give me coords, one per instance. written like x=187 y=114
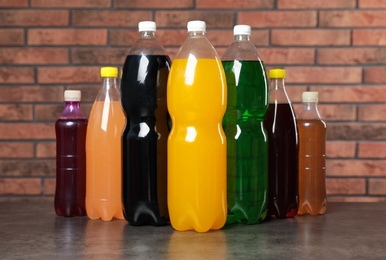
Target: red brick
x=46 y=150
x=16 y=150
x=71 y=3
x=72 y=37
x=154 y=4
x=310 y=37
x=24 y=56
x=337 y=112
x=31 y=94
x=14 y=37
x=179 y=19
x=34 y=17
x=230 y=4
x=177 y=37
x=372 y=150
x=352 y=56
x=28 y=168
x=340 y=149
x=345 y=186
x=295 y=93
x=26 y=131
x=114 y=18
x=14 y=3
x=372 y=3
x=356 y=131
x=315 y=4
x=119 y=37
x=377 y=186
x=264 y=19
x=352 y=18
x=64 y=75
x=22 y=186
x=49 y=186
x=322 y=75
x=48 y=112
x=355 y=168
x=102 y=56
x=287 y=56
x=10 y=75
x=15 y=112
x=351 y=94
x=375 y=75
x=355 y=199
x=172 y=52
x=372 y=113
x=366 y=37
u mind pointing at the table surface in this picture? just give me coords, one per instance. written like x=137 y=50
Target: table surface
x=348 y=231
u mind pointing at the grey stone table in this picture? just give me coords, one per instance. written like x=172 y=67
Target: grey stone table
x=31 y=230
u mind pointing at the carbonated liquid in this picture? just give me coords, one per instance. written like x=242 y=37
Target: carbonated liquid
x=70 y=167
x=283 y=160
x=312 y=188
x=104 y=157
x=197 y=145
x=247 y=145
x=144 y=147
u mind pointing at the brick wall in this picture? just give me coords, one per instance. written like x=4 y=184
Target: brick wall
x=334 y=47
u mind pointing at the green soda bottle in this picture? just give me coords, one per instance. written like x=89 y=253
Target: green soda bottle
x=247 y=145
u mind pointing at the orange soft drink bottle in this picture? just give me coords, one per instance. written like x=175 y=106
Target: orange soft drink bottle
x=103 y=151
x=196 y=98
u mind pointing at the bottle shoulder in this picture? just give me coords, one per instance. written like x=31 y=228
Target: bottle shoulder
x=72 y=111
x=310 y=112
x=147 y=46
x=241 y=50
x=198 y=47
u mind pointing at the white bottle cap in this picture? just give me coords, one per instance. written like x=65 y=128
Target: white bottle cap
x=242 y=30
x=72 y=95
x=196 y=26
x=147 y=26
x=310 y=96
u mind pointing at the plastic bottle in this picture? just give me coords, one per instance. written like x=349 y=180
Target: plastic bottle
x=70 y=131
x=312 y=159
x=143 y=89
x=283 y=150
x=247 y=144
x=197 y=98
x=103 y=150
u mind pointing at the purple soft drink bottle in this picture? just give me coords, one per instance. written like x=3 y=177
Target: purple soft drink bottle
x=70 y=131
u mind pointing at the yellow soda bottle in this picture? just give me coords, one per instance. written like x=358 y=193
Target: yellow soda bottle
x=196 y=98
x=103 y=151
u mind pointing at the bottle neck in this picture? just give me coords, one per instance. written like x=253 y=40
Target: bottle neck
x=72 y=105
x=310 y=106
x=196 y=34
x=242 y=38
x=147 y=34
x=110 y=82
x=277 y=84
x=310 y=111
x=277 y=92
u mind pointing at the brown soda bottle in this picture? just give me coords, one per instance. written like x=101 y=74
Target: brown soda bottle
x=312 y=164
x=282 y=150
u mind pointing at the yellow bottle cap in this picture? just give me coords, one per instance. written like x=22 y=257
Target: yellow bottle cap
x=277 y=74
x=109 y=72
